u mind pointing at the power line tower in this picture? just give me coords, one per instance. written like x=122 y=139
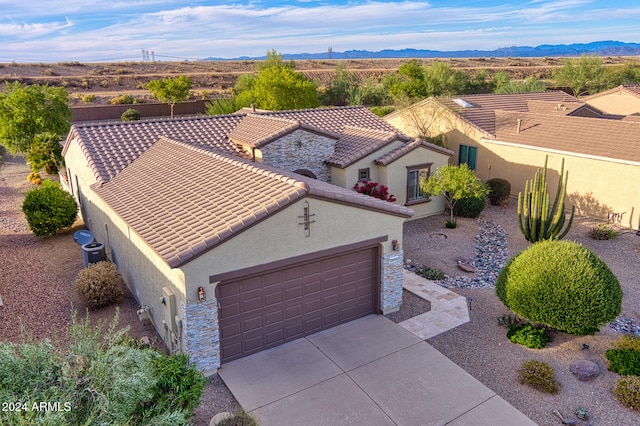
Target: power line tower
x=153 y=56
x=330 y=53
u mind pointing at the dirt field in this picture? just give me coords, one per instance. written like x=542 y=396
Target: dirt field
x=215 y=78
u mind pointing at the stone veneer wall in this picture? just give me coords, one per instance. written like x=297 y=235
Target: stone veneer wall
x=300 y=150
x=391 y=286
x=200 y=335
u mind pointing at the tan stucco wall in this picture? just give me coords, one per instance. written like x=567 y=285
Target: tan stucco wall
x=144 y=272
x=280 y=237
x=617 y=103
x=595 y=187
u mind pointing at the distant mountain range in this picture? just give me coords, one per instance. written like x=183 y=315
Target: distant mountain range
x=599 y=48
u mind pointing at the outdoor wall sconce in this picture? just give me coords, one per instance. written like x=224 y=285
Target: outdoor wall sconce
x=202 y=295
x=395 y=245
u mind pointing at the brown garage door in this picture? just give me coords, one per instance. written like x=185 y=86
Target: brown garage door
x=267 y=309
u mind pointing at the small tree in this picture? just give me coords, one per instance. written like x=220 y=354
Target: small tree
x=171 y=90
x=49 y=209
x=454 y=183
x=27 y=111
x=45 y=153
x=584 y=75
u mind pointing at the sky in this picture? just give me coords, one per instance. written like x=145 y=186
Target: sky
x=119 y=30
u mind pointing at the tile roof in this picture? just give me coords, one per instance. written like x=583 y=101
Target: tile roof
x=184 y=200
x=612 y=139
x=631 y=89
x=481 y=113
x=111 y=146
x=356 y=143
x=393 y=155
x=257 y=130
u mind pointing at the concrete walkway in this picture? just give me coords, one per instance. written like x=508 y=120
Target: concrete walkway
x=367 y=372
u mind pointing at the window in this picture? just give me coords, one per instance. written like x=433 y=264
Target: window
x=363 y=174
x=414 y=175
x=468 y=156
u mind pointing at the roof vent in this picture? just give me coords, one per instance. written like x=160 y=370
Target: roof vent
x=462 y=103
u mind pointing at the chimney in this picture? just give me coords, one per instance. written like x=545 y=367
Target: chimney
x=519 y=125
x=253 y=107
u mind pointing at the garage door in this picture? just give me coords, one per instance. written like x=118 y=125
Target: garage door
x=264 y=310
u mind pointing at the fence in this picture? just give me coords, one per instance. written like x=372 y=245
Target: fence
x=111 y=112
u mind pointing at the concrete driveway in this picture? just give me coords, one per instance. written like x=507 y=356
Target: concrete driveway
x=367 y=372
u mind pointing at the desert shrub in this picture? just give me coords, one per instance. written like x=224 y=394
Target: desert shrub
x=450 y=224
x=88 y=98
x=99 y=284
x=96 y=380
x=628 y=341
x=529 y=336
x=539 y=375
x=433 y=274
x=178 y=386
x=627 y=390
x=560 y=284
x=130 y=115
x=500 y=191
x=625 y=362
x=603 y=232
x=239 y=418
x=122 y=100
x=381 y=111
x=471 y=206
x=49 y=209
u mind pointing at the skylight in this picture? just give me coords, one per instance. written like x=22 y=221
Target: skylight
x=462 y=103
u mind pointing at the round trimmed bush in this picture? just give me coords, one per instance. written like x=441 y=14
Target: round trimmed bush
x=560 y=284
x=500 y=190
x=130 y=115
x=49 y=208
x=471 y=207
x=99 y=284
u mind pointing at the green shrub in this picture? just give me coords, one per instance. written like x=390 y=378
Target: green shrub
x=560 y=284
x=45 y=153
x=603 y=232
x=450 y=224
x=433 y=274
x=99 y=284
x=628 y=341
x=88 y=98
x=538 y=375
x=239 y=418
x=122 y=100
x=49 y=209
x=130 y=115
x=627 y=390
x=500 y=191
x=625 y=362
x=95 y=379
x=529 y=336
x=471 y=207
x=381 y=111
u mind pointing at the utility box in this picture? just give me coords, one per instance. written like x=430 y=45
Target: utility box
x=93 y=253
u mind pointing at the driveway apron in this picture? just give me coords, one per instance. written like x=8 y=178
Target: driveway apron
x=367 y=372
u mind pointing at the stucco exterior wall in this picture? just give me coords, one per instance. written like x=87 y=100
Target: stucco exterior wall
x=143 y=271
x=300 y=149
x=617 y=103
x=596 y=187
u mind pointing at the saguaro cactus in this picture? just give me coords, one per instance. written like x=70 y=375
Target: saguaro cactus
x=537 y=220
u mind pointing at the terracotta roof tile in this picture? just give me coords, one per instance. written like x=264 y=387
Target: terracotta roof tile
x=183 y=200
x=356 y=143
x=614 y=139
x=399 y=152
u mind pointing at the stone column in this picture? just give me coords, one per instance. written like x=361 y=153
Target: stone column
x=391 y=286
x=200 y=335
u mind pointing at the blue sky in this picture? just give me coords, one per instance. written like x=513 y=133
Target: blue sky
x=118 y=30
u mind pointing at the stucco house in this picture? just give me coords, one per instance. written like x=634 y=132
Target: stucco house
x=623 y=100
x=238 y=233
x=509 y=136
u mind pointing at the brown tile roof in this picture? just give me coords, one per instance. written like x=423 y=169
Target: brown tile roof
x=557 y=108
x=481 y=113
x=184 y=200
x=356 y=143
x=111 y=146
x=258 y=130
x=631 y=89
x=613 y=139
x=393 y=155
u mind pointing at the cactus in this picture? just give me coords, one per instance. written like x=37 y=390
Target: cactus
x=538 y=221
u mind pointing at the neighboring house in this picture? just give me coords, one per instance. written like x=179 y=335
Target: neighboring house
x=508 y=136
x=623 y=100
x=238 y=233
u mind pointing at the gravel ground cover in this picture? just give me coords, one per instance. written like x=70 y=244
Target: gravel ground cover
x=38 y=295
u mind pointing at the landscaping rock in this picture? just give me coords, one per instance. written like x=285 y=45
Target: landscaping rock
x=585 y=370
x=465 y=267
